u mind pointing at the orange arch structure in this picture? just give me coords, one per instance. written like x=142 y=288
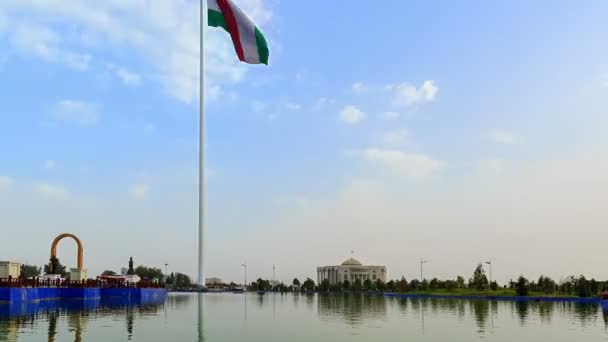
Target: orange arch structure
x=78 y=242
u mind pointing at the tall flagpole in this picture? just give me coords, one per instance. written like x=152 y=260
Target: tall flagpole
x=201 y=148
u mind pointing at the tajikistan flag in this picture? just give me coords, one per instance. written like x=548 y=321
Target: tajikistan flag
x=249 y=42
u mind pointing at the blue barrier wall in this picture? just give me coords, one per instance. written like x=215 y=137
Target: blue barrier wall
x=25 y=295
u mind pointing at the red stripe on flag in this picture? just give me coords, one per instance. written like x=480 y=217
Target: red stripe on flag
x=233 y=28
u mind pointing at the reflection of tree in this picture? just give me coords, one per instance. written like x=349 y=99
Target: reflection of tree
x=585 y=313
x=52 y=326
x=522 y=307
x=352 y=308
x=481 y=310
x=130 y=322
x=605 y=312
x=545 y=311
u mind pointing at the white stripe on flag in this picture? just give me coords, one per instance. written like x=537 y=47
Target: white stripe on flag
x=247 y=35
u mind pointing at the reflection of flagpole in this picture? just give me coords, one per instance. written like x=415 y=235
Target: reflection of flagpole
x=201 y=335
x=201 y=147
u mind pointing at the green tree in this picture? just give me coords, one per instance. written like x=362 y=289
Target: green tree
x=108 y=273
x=390 y=285
x=379 y=285
x=434 y=283
x=357 y=285
x=402 y=285
x=346 y=285
x=367 y=284
x=460 y=282
x=450 y=284
x=296 y=282
x=308 y=285
x=479 y=280
x=61 y=270
x=415 y=285
x=149 y=272
x=493 y=286
x=181 y=281
x=30 y=271
x=522 y=286
x=324 y=286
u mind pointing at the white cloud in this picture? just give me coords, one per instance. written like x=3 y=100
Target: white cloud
x=508 y=138
x=78 y=112
x=55 y=192
x=409 y=165
x=6 y=182
x=391 y=115
x=405 y=94
x=351 y=114
x=164 y=33
x=127 y=77
x=258 y=107
x=42 y=42
x=321 y=103
x=491 y=166
x=150 y=128
x=292 y=107
x=358 y=88
x=50 y=164
x=139 y=191
x=396 y=137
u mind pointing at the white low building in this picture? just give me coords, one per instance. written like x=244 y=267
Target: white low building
x=351 y=270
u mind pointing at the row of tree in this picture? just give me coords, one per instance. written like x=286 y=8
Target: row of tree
x=571 y=286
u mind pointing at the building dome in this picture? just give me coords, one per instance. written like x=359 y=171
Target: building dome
x=352 y=262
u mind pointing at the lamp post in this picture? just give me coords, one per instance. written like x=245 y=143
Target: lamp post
x=421 y=263
x=245 y=266
x=489 y=262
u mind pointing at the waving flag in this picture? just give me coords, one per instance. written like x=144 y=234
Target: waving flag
x=249 y=42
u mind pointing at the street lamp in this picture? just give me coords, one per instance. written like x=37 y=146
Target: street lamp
x=421 y=263
x=490 y=263
x=245 y=266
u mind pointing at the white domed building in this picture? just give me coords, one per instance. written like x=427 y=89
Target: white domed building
x=351 y=270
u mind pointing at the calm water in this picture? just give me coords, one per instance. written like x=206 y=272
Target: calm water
x=268 y=318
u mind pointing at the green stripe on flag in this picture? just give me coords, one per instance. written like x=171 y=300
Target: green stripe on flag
x=260 y=41
x=216 y=19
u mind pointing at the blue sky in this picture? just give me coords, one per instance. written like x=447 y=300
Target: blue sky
x=454 y=131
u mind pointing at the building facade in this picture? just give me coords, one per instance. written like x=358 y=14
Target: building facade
x=351 y=270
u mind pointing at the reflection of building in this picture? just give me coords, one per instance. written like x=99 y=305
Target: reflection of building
x=351 y=270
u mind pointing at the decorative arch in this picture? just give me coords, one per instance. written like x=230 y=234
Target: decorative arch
x=80 y=257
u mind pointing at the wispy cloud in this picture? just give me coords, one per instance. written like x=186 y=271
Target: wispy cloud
x=42 y=42
x=391 y=115
x=139 y=191
x=396 y=137
x=491 y=166
x=127 y=77
x=164 y=33
x=78 y=112
x=55 y=192
x=50 y=164
x=351 y=115
x=6 y=182
x=358 y=88
x=321 y=103
x=405 y=94
x=408 y=165
x=508 y=138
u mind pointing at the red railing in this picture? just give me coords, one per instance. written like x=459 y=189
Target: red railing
x=63 y=283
